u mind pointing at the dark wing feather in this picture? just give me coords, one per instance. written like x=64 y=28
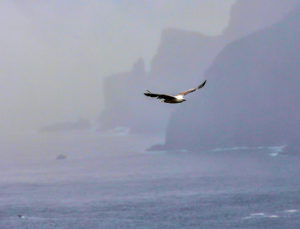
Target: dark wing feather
x=159 y=96
x=193 y=89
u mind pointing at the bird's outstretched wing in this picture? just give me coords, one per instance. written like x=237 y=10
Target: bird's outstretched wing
x=193 y=89
x=159 y=96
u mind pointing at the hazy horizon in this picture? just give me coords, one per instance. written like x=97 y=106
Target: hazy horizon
x=54 y=55
x=82 y=147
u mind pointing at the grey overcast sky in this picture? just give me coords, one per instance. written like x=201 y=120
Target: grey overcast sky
x=54 y=54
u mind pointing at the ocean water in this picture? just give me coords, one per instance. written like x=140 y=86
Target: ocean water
x=112 y=182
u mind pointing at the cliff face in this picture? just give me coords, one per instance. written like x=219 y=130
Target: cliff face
x=252 y=97
x=126 y=106
x=248 y=16
x=180 y=63
x=184 y=56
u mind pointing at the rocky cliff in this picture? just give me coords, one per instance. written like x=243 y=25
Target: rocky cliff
x=180 y=63
x=252 y=97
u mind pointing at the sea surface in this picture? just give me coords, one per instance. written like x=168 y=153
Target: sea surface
x=111 y=181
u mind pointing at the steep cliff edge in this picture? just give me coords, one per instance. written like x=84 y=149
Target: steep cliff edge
x=181 y=60
x=252 y=97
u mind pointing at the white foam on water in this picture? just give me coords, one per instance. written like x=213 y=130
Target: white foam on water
x=254 y=215
x=276 y=150
x=291 y=211
x=235 y=148
x=260 y=215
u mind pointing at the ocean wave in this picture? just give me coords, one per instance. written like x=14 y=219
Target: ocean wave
x=273 y=150
x=291 y=211
x=260 y=215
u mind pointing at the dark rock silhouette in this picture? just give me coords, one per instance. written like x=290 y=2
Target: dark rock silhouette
x=180 y=63
x=21 y=216
x=252 y=96
x=61 y=157
x=125 y=104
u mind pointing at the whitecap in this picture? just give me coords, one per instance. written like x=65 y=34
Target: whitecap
x=257 y=214
x=275 y=150
x=235 y=148
x=291 y=211
x=260 y=215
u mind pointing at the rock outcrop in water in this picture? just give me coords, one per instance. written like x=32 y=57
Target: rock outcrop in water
x=252 y=96
x=61 y=157
x=180 y=63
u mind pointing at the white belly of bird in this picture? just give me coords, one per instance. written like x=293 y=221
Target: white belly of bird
x=179 y=97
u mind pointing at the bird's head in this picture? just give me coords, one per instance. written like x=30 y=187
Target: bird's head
x=183 y=100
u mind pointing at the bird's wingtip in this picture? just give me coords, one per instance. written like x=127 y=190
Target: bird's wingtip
x=202 y=85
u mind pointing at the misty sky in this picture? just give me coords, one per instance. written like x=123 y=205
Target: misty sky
x=54 y=54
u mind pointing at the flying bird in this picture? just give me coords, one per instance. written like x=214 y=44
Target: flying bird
x=179 y=98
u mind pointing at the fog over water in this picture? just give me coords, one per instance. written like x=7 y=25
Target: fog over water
x=220 y=164
x=111 y=181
